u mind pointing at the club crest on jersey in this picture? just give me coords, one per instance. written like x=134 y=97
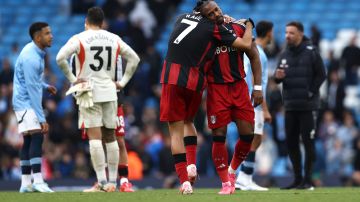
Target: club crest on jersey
x=284 y=64
x=213 y=119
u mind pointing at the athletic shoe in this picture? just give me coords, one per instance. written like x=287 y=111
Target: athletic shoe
x=242 y=181
x=186 y=188
x=126 y=187
x=254 y=187
x=293 y=185
x=227 y=188
x=109 y=187
x=306 y=186
x=42 y=187
x=96 y=188
x=192 y=173
x=26 y=189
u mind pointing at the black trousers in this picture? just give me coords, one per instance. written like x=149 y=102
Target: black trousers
x=301 y=124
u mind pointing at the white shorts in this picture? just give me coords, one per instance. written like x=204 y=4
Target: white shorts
x=259 y=122
x=27 y=121
x=101 y=114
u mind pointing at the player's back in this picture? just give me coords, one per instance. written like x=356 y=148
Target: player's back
x=96 y=60
x=190 y=47
x=190 y=40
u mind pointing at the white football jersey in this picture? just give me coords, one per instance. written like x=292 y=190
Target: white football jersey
x=96 y=55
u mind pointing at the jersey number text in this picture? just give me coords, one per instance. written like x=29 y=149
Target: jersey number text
x=97 y=56
x=186 y=31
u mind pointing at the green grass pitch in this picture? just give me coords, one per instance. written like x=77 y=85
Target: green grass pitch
x=200 y=195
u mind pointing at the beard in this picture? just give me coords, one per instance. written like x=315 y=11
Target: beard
x=220 y=20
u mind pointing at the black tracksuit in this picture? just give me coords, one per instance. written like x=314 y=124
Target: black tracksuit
x=305 y=72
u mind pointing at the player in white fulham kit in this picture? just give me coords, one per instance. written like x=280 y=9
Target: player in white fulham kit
x=96 y=53
x=244 y=181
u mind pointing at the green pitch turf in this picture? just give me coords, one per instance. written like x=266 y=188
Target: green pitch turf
x=200 y=195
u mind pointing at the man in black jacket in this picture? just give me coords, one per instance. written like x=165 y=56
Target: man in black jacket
x=301 y=70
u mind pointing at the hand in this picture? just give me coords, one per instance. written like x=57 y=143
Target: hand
x=251 y=21
x=80 y=80
x=118 y=86
x=257 y=97
x=228 y=19
x=240 y=21
x=52 y=90
x=44 y=128
x=280 y=73
x=267 y=116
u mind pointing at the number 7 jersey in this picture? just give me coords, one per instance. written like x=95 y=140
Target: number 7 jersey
x=190 y=48
x=96 y=54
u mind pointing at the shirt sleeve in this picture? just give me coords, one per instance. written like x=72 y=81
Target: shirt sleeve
x=71 y=47
x=319 y=72
x=248 y=71
x=224 y=35
x=45 y=85
x=34 y=86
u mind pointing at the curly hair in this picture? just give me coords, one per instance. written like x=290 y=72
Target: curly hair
x=200 y=4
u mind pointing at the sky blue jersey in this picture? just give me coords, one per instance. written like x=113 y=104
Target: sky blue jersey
x=264 y=72
x=28 y=80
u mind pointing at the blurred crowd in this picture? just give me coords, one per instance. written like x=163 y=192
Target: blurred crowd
x=139 y=24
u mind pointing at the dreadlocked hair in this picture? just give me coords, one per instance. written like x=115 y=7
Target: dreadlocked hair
x=200 y=4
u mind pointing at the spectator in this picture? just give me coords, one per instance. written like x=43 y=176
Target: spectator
x=335 y=93
x=6 y=73
x=350 y=60
x=14 y=53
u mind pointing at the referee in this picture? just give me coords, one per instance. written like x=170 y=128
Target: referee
x=301 y=71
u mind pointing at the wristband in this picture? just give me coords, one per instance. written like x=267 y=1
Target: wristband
x=257 y=87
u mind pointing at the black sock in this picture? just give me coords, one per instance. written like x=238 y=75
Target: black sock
x=36 y=152
x=25 y=157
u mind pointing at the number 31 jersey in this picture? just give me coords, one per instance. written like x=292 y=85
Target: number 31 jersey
x=96 y=54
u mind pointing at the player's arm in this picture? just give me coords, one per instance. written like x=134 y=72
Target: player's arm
x=132 y=61
x=71 y=47
x=245 y=42
x=253 y=55
x=264 y=82
x=34 y=87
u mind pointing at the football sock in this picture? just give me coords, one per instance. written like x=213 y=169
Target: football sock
x=25 y=161
x=242 y=149
x=220 y=157
x=248 y=165
x=98 y=160
x=190 y=147
x=35 y=154
x=123 y=171
x=180 y=167
x=112 y=153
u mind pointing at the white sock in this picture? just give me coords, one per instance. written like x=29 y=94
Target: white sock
x=98 y=159
x=25 y=180
x=112 y=153
x=231 y=171
x=123 y=180
x=38 y=178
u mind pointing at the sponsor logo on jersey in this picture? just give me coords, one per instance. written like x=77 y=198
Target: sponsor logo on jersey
x=224 y=49
x=213 y=119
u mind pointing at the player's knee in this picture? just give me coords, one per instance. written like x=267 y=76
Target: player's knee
x=219 y=131
x=108 y=135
